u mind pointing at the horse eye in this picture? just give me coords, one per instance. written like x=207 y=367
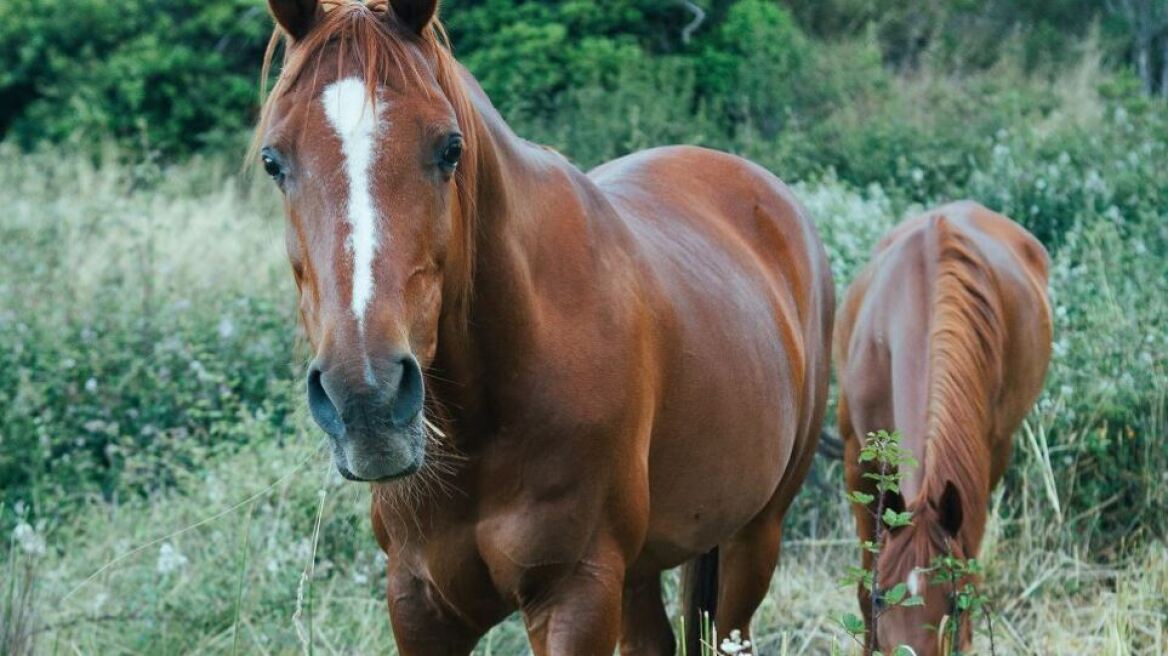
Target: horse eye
x=452 y=153
x=272 y=167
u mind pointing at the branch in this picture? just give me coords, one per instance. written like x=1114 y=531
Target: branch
x=699 y=17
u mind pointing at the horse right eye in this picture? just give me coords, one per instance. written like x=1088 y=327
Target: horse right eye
x=272 y=166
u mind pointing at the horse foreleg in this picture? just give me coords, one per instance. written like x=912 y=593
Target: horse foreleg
x=645 y=628
x=577 y=612
x=421 y=626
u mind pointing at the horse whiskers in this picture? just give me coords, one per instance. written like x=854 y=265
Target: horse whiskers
x=406 y=497
x=432 y=428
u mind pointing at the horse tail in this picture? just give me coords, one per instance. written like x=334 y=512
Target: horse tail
x=830 y=445
x=700 y=595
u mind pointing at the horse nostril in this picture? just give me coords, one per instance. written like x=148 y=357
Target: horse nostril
x=324 y=411
x=407 y=402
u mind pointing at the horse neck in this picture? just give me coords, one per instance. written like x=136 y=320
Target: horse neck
x=514 y=179
x=965 y=363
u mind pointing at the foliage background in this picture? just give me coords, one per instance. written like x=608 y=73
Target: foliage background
x=150 y=369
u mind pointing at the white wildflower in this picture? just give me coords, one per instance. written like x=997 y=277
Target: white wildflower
x=170 y=559
x=28 y=539
x=91 y=385
x=200 y=371
x=226 y=328
x=1061 y=348
x=735 y=644
x=1094 y=182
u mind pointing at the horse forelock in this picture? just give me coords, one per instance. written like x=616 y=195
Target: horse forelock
x=366 y=39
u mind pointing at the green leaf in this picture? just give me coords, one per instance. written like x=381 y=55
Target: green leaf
x=903 y=651
x=894 y=519
x=915 y=600
x=896 y=594
x=860 y=498
x=852 y=624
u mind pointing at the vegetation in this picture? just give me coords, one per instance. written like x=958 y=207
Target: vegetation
x=163 y=491
x=893 y=463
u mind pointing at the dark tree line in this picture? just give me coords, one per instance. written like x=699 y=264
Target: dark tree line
x=182 y=75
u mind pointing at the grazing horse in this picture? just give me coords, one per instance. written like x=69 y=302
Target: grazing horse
x=945 y=336
x=556 y=384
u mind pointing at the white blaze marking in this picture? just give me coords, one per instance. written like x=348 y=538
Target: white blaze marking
x=914 y=582
x=355 y=121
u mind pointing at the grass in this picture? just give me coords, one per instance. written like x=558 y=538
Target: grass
x=249 y=576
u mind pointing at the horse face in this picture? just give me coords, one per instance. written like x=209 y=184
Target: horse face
x=366 y=166
x=907 y=557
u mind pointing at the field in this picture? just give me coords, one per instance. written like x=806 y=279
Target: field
x=151 y=322
x=164 y=492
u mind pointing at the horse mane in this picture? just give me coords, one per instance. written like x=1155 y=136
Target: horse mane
x=966 y=349
x=367 y=35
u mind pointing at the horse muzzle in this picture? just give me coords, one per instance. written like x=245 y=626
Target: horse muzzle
x=373 y=416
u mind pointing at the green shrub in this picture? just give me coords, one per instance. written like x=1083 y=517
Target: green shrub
x=142 y=329
x=177 y=76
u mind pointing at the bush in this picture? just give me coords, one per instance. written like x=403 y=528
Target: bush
x=142 y=328
x=176 y=76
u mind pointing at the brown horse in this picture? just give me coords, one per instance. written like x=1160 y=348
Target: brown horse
x=591 y=378
x=945 y=336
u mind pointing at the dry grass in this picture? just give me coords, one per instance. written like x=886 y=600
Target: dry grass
x=249 y=523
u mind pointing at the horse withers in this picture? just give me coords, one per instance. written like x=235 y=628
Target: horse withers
x=945 y=336
x=557 y=384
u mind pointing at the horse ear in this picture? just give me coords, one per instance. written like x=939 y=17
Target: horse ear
x=949 y=510
x=296 y=17
x=415 y=14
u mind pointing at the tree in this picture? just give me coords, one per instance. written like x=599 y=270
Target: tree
x=1148 y=22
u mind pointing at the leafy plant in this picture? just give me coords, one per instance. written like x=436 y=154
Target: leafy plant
x=893 y=462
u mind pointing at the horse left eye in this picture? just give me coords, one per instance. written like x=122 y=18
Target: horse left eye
x=452 y=153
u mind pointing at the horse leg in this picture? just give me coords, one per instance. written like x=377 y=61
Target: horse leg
x=645 y=628
x=577 y=612
x=421 y=627
x=746 y=564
